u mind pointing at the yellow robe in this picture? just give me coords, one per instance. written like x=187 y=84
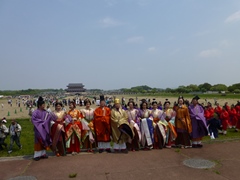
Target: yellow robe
x=119 y=117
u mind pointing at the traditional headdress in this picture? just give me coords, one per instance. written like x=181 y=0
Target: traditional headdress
x=117 y=101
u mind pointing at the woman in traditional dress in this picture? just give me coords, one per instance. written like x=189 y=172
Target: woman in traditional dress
x=87 y=123
x=159 y=127
x=146 y=126
x=183 y=125
x=74 y=130
x=169 y=116
x=134 y=122
x=58 y=131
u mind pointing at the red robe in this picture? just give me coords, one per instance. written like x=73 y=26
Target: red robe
x=225 y=119
x=211 y=112
x=238 y=116
x=102 y=124
x=218 y=110
x=207 y=114
x=233 y=116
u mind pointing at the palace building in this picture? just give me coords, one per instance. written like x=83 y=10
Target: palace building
x=74 y=88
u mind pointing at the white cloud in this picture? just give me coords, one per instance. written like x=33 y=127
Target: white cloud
x=142 y=2
x=110 y=3
x=109 y=22
x=152 y=49
x=233 y=18
x=136 y=39
x=210 y=53
x=224 y=44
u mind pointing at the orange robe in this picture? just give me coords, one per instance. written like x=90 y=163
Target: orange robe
x=102 y=124
x=182 y=120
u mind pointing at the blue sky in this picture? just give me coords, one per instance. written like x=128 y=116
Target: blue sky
x=111 y=44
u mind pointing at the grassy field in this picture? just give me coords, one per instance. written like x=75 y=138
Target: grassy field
x=27 y=139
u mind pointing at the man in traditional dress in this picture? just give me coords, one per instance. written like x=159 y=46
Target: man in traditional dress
x=41 y=120
x=199 y=127
x=102 y=126
x=121 y=131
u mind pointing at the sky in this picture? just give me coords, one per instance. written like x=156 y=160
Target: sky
x=112 y=44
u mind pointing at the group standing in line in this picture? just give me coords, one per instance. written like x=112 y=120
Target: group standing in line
x=119 y=129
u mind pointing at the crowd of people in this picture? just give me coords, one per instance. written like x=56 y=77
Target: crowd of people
x=122 y=126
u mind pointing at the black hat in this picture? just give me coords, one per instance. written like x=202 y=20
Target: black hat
x=40 y=101
x=102 y=98
x=196 y=97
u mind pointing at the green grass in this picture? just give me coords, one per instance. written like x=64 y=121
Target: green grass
x=26 y=139
x=231 y=136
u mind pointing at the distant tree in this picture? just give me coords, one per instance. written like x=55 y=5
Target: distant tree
x=219 y=87
x=205 y=86
x=237 y=91
x=192 y=87
x=233 y=87
x=168 y=90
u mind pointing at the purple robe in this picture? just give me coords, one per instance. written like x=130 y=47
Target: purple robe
x=199 y=126
x=41 y=120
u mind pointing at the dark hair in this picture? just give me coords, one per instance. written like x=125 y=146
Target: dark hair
x=167 y=101
x=40 y=101
x=131 y=102
x=141 y=106
x=58 y=103
x=73 y=102
x=181 y=97
x=87 y=101
x=154 y=102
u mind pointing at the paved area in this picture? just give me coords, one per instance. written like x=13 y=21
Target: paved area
x=155 y=164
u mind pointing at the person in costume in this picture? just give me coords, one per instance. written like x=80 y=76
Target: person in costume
x=87 y=123
x=224 y=116
x=160 y=127
x=210 y=110
x=102 y=126
x=233 y=117
x=183 y=125
x=121 y=130
x=218 y=109
x=58 y=130
x=41 y=120
x=135 y=123
x=199 y=126
x=214 y=124
x=169 y=116
x=74 y=130
x=146 y=126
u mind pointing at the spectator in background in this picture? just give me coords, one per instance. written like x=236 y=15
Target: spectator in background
x=49 y=109
x=15 y=132
x=3 y=134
